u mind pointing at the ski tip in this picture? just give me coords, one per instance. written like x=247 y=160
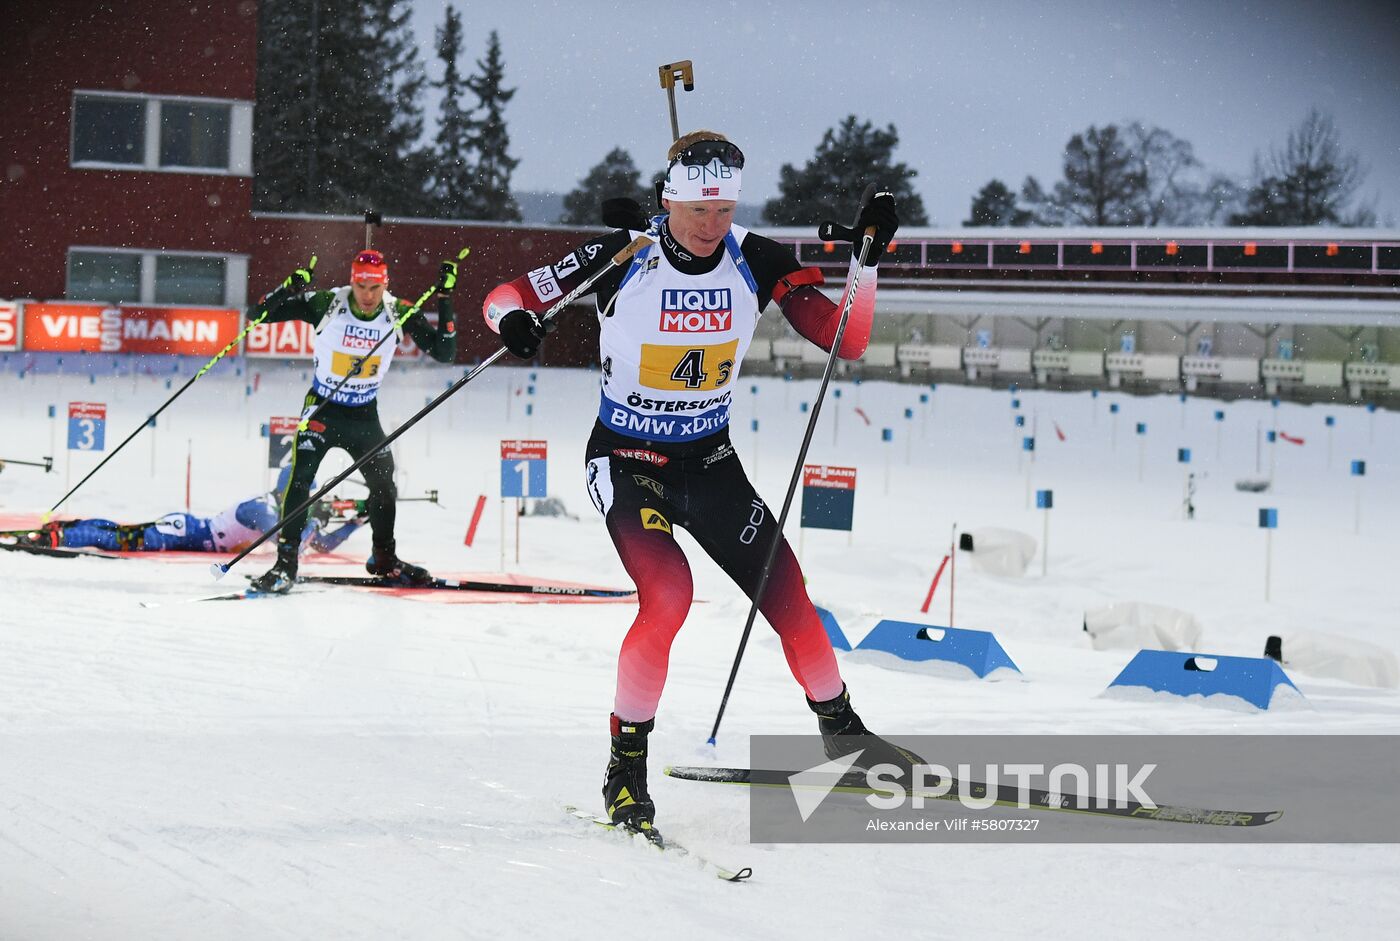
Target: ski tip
x=217 y=570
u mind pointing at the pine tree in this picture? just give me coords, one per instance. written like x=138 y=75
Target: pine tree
x=615 y=176
x=830 y=185
x=491 y=197
x=1308 y=181
x=995 y=205
x=453 y=175
x=338 y=118
x=283 y=121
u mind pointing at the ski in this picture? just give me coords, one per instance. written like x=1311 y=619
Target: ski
x=854 y=782
x=373 y=581
x=247 y=594
x=655 y=838
x=447 y=584
x=56 y=552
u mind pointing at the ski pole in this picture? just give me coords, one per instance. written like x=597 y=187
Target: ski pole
x=150 y=419
x=372 y=221
x=360 y=361
x=826 y=232
x=219 y=570
x=46 y=463
x=360 y=505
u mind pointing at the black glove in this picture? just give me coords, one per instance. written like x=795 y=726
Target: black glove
x=879 y=211
x=522 y=331
x=300 y=279
x=447 y=277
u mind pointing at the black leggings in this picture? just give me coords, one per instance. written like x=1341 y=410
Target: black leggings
x=356 y=430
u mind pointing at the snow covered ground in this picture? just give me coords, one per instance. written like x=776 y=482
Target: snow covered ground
x=335 y=765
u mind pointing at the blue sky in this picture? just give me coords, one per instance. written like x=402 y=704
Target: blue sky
x=976 y=90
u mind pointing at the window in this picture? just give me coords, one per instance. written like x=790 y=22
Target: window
x=1171 y=255
x=109 y=130
x=958 y=254
x=141 y=276
x=143 y=132
x=1251 y=255
x=194 y=135
x=1097 y=255
x=113 y=277
x=1026 y=255
x=190 y=279
x=1332 y=256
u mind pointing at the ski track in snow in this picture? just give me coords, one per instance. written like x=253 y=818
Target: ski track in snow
x=347 y=765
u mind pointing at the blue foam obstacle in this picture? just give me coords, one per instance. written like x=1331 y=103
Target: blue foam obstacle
x=976 y=650
x=1252 y=679
x=833 y=629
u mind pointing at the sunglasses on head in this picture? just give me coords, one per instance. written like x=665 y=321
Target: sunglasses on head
x=702 y=152
x=369 y=258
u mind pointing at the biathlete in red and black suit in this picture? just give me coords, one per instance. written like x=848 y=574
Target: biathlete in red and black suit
x=675 y=325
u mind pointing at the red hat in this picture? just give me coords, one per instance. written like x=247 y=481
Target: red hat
x=369 y=266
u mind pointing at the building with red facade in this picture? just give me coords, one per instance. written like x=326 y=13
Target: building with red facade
x=128 y=179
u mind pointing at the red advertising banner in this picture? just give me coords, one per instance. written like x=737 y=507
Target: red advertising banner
x=68 y=328
x=188 y=331
x=821 y=475
x=95 y=328
x=291 y=339
x=9 y=326
x=524 y=450
x=294 y=339
x=87 y=410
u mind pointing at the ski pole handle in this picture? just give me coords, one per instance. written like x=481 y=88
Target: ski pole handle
x=830 y=231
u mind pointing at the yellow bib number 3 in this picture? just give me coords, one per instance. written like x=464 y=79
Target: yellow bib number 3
x=342 y=363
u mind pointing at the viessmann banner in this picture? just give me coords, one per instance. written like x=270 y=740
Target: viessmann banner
x=127 y=328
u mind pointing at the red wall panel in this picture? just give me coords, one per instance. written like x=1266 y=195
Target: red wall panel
x=146 y=46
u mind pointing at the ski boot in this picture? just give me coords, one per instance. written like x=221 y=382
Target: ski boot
x=48 y=536
x=844 y=733
x=625 y=795
x=385 y=563
x=279 y=579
